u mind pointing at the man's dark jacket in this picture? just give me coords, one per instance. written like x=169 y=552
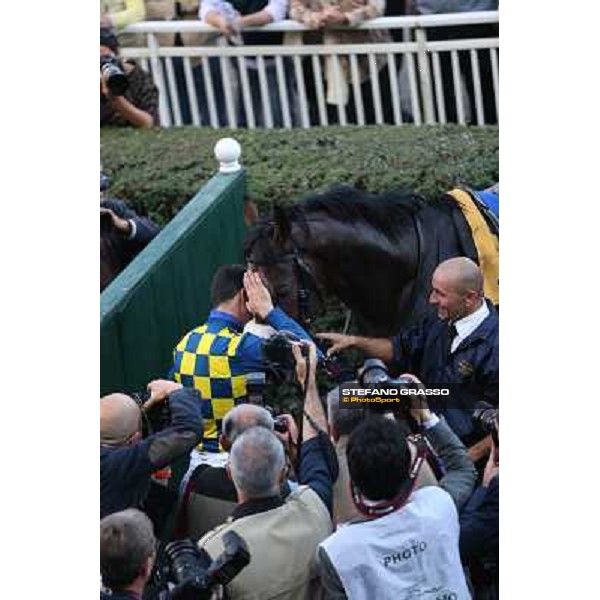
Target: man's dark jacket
x=145 y=229
x=125 y=470
x=472 y=369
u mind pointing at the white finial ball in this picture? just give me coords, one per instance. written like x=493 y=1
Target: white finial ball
x=228 y=152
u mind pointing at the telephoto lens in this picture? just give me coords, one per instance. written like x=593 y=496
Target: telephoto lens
x=115 y=77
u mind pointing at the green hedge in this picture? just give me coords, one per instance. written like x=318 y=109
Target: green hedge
x=158 y=171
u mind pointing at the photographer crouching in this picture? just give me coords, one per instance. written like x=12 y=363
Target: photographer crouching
x=128 y=95
x=126 y=460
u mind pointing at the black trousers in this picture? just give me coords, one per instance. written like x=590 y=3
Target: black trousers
x=464 y=57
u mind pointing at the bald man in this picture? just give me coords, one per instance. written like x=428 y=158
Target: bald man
x=458 y=346
x=127 y=460
x=210 y=495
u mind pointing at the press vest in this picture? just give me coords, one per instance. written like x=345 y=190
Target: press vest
x=282 y=544
x=411 y=553
x=203 y=359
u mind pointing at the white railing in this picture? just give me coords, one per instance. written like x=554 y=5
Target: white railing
x=249 y=86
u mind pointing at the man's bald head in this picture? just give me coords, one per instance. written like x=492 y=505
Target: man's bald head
x=242 y=417
x=463 y=273
x=119 y=419
x=457 y=288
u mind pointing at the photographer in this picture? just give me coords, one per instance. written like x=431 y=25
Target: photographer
x=128 y=95
x=282 y=534
x=405 y=539
x=342 y=422
x=127 y=554
x=123 y=235
x=480 y=528
x=210 y=495
x=128 y=557
x=126 y=460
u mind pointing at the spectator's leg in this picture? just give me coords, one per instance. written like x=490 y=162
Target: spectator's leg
x=441 y=34
x=274 y=95
x=184 y=100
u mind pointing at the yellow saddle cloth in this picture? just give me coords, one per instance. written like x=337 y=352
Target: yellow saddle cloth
x=486 y=243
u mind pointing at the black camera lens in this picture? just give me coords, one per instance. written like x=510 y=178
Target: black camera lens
x=280 y=425
x=116 y=79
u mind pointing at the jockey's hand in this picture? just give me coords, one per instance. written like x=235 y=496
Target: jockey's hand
x=339 y=341
x=123 y=226
x=259 y=300
x=418 y=405
x=159 y=389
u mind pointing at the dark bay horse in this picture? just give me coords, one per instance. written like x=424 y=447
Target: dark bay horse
x=376 y=253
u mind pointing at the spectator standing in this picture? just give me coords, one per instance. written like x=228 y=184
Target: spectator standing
x=458 y=32
x=326 y=16
x=406 y=542
x=215 y=357
x=282 y=535
x=117 y=14
x=138 y=105
x=230 y=18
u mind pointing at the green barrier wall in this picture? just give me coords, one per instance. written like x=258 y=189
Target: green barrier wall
x=165 y=291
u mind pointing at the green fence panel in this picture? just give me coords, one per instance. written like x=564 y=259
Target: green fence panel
x=165 y=291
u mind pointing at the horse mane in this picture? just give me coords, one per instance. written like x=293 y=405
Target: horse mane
x=385 y=212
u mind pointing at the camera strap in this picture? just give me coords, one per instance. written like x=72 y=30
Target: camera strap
x=375 y=510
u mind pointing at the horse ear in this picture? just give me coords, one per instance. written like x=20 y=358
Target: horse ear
x=283 y=225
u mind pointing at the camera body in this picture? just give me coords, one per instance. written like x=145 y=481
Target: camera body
x=106 y=224
x=184 y=572
x=280 y=424
x=154 y=419
x=374 y=372
x=277 y=351
x=116 y=80
x=485 y=416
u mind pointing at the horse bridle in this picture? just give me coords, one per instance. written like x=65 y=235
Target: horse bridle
x=304 y=278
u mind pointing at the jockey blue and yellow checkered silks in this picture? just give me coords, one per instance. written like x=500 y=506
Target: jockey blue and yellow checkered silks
x=202 y=360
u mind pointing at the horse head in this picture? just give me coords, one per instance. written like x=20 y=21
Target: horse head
x=274 y=248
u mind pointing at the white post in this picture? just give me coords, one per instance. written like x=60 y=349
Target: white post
x=228 y=152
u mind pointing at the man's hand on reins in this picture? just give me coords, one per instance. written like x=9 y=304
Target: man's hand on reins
x=339 y=341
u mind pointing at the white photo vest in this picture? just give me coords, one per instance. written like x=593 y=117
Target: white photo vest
x=411 y=553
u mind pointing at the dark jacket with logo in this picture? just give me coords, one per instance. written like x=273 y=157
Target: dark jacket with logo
x=471 y=371
x=125 y=470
